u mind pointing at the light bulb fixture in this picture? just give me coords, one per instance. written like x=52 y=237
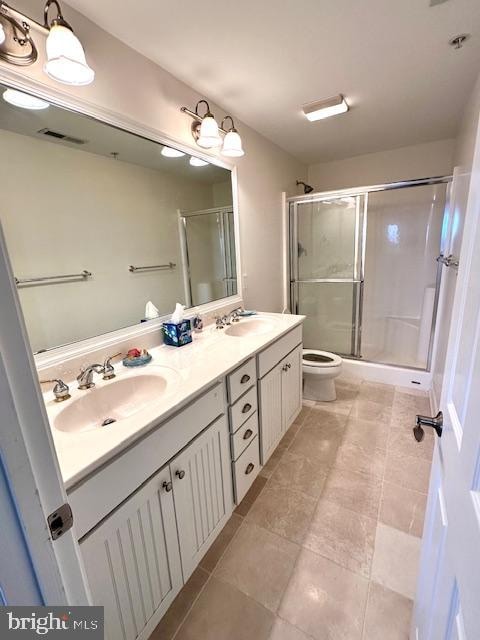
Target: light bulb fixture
x=198 y=162
x=24 y=100
x=325 y=108
x=232 y=144
x=207 y=133
x=170 y=152
x=2 y=34
x=66 y=60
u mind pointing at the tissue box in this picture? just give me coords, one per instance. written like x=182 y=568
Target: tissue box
x=177 y=335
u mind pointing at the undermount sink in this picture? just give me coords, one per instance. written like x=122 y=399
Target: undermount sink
x=123 y=397
x=254 y=327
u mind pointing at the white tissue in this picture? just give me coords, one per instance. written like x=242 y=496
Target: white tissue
x=151 y=311
x=177 y=315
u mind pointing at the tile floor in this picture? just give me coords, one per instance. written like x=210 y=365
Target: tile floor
x=325 y=544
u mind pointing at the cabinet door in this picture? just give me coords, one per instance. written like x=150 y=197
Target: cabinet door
x=291 y=387
x=271 y=425
x=132 y=561
x=202 y=488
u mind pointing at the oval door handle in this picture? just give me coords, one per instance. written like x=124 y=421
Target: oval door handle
x=250 y=468
x=248 y=434
x=167 y=486
x=245 y=378
x=180 y=474
x=246 y=408
x=426 y=421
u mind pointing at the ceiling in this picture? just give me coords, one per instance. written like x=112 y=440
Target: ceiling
x=262 y=59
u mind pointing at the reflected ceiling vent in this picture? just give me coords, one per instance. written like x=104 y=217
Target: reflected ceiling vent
x=61 y=136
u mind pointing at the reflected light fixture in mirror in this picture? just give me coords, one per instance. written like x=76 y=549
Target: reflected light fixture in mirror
x=2 y=34
x=169 y=152
x=198 y=162
x=23 y=100
x=232 y=144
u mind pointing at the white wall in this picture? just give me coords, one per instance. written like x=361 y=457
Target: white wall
x=133 y=86
x=418 y=161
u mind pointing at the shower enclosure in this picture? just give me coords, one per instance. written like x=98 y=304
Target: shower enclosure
x=364 y=269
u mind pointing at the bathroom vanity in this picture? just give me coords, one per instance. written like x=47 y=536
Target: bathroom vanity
x=151 y=491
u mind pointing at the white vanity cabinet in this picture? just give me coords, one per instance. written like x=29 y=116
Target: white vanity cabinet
x=279 y=390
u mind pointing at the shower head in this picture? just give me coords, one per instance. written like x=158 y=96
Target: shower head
x=306 y=187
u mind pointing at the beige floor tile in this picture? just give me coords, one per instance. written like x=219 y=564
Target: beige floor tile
x=259 y=563
x=388 y=615
x=408 y=472
x=367 y=435
x=213 y=555
x=325 y=600
x=318 y=443
x=346 y=395
x=358 y=492
x=353 y=458
x=403 y=509
x=283 y=511
x=395 y=560
x=179 y=608
x=222 y=612
x=319 y=418
x=373 y=411
x=290 y=434
x=297 y=472
x=343 y=536
x=305 y=410
x=267 y=470
x=402 y=442
x=375 y=392
x=252 y=494
x=285 y=631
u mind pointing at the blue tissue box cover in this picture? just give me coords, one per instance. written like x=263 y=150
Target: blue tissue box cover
x=177 y=335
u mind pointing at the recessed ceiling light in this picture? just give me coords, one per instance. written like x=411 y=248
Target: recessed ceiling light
x=325 y=108
x=198 y=162
x=24 y=100
x=169 y=152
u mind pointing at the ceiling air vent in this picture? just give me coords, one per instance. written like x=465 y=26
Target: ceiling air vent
x=61 y=136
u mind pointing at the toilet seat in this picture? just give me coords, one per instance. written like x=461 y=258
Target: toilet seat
x=315 y=359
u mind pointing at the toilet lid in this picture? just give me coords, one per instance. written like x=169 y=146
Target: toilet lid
x=315 y=358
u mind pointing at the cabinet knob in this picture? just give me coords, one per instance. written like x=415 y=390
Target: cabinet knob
x=284 y=368
x=248 y=434
x=167 y=486
x=246 y=408
x=289 y=366
x=180 y=474
x=250 y=468
x=245 y=378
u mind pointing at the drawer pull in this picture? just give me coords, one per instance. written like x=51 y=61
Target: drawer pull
x=248 y=434
x=180 y=474
x=167 y=486
x=245 y=378
x=250 y=468
x=246 y=408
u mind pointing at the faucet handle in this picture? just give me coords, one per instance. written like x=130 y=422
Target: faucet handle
x=60 y=390
x=219 y=322
x=108 y=369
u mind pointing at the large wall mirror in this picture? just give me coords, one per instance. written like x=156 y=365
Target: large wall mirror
x=98 y=221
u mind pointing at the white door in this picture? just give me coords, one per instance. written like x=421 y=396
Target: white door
x=291 y=387
x=447 y=605
x=202 y=490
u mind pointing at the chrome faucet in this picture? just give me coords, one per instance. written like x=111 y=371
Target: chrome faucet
x=60 y=390
x=85 y=377
x=220 y=322
x=108 y=370
x=233 y=315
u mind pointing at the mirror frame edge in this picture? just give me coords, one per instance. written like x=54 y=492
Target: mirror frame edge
x=57 y=355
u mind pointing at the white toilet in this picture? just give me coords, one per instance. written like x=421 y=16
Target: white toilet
x=320 y=368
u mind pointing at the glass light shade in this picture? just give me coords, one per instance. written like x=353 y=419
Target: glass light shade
x=66 y=58
x=232 y=145
x=2 y=34
x=198 y=162
x=169 y=152
x=209 y=135
x=23 y=100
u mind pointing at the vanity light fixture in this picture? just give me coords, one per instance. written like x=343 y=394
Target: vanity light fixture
x=66 y=60
x=24 y=100
x=207 y=133
x=170 y=152
x=198 y=162
x=2 y=34
x=325 y=108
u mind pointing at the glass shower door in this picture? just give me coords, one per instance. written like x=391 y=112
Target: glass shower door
x=327 y=271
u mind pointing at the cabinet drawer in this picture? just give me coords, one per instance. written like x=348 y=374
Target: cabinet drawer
x=244 y=436
x=278 y=350
x=246 y=469
x=241 y=379
x=243 y=409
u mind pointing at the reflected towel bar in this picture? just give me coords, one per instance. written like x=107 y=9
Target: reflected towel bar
x=170 y=265
x=51 y=279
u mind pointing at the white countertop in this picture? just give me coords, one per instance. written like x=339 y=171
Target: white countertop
x=193 y=368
